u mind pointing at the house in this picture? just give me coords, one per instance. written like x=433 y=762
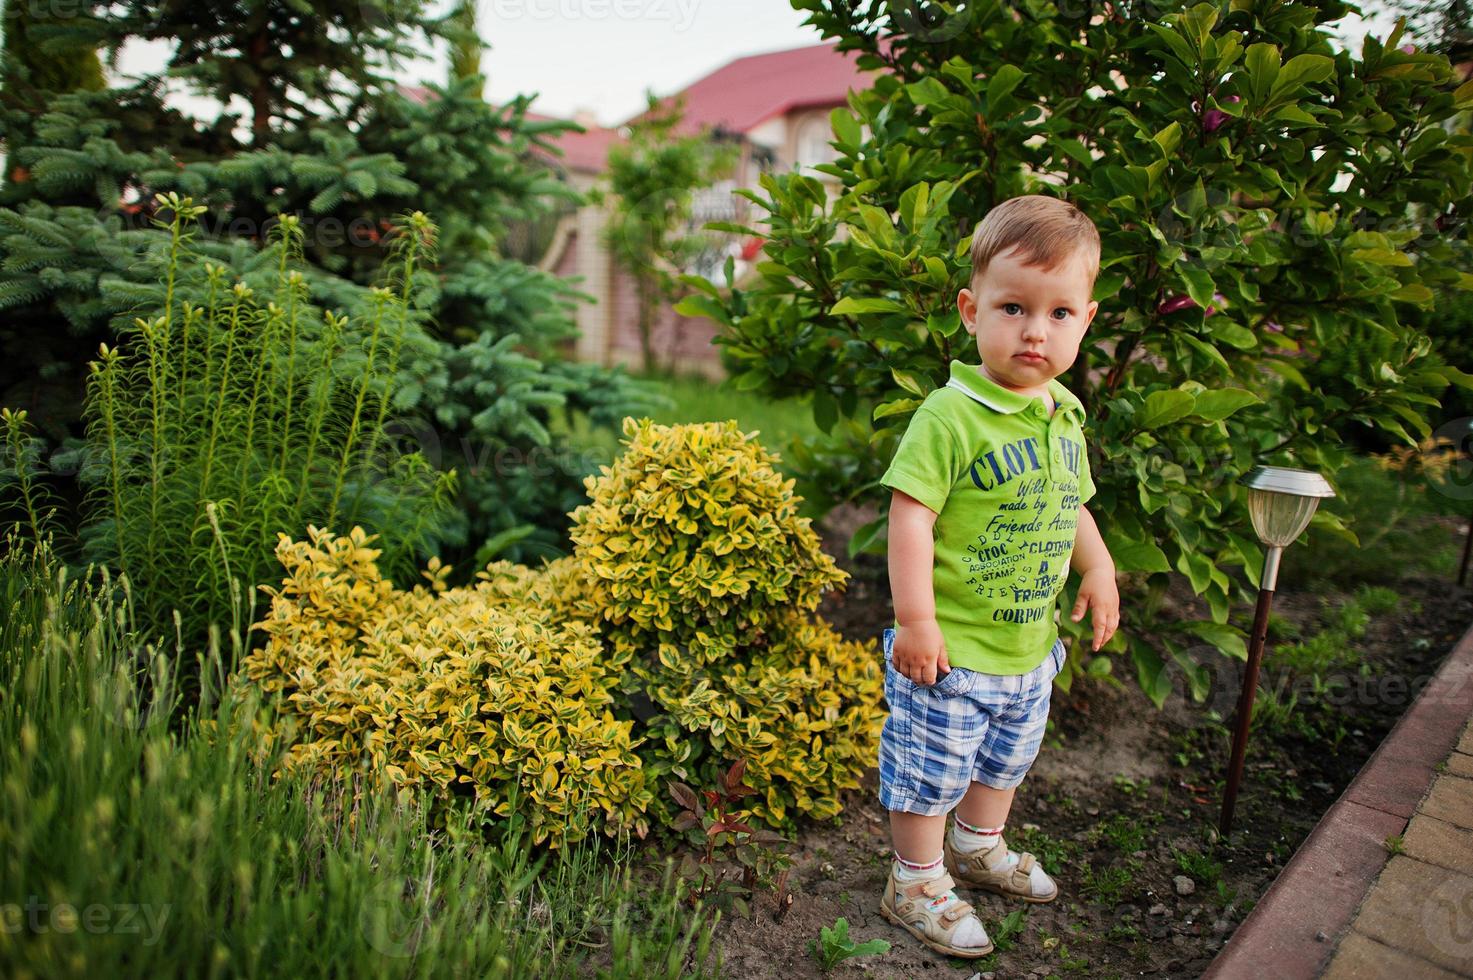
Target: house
x=776 y=107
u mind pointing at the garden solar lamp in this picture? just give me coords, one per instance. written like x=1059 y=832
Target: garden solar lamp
x=1281 y=501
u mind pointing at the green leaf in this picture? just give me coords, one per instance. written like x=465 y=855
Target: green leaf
x=928 y=91
x=1164 y=407
x=1226 y=638
x=853 y=305
x=1218 y=403
x=1232 y=333
x=845 y=126
x=1138 y=556
x=1301 y=70
x=914 y=202
x=1001 y=85
x=1414 y=292
x=1197 y=568
x=1168 y=139
x=1198 y=282
x=1293 y=114
x=899 y=406
x=1151 y=673
x=910 y=382
x=1262 y=62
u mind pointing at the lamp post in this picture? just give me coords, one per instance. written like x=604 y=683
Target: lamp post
x=1467 y=538
x=1281 y=501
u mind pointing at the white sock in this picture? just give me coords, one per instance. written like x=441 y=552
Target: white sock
x=967 y=838
x=969 y=931
x=908 y=871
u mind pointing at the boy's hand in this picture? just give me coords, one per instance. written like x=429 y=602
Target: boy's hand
x=1097 y=593
x=919 y=652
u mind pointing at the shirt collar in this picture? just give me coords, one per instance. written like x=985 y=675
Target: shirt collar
x=971 y=382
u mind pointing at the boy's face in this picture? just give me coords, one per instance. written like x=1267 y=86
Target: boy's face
x=1028 y=320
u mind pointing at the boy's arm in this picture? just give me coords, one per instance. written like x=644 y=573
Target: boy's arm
x=1097 y=590
x=918 y=652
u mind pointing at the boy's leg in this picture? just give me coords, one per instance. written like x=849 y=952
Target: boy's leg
x=976 y=852
x=986 y=806
x=917 y=836
x=922 y=775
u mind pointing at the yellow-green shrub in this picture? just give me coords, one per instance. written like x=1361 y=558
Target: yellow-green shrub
x=453 y=688
x=694 y=531
x=694 y=560
x=804 y=711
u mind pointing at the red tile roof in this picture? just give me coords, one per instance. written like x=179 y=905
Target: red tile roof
x=587 y=151
x=748 y=91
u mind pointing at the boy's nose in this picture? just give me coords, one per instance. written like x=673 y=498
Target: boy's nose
x=1034 y=329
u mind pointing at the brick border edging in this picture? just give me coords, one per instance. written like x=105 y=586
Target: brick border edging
x=1322 y=886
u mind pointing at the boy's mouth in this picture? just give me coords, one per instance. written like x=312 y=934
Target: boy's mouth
x=1029 y=357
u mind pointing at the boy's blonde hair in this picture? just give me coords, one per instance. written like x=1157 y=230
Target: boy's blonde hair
x=1045 y=229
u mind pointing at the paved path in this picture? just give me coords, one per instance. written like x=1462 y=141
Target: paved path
x=1418 y=919
x=1348 y=906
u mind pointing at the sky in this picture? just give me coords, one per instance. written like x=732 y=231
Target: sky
x=593 y=55
x=601 y=55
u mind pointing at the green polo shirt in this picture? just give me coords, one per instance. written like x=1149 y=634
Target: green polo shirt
x=1006 y=481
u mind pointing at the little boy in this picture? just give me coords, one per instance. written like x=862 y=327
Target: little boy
x=988 y=488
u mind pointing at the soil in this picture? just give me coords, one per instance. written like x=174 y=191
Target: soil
x=1118 y=792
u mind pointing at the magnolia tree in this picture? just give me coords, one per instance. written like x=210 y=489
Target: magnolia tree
x=1271 y=210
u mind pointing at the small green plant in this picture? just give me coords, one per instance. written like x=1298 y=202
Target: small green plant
x=1224 y=894
x=834 y=945
x=230 y=413
x=1006 y=929
x=1053 y=853
x=1126 y=833
x=1132 y=787
x=715 y=825
x=1395 y=844
x=1201 y=868
x=1108 y=886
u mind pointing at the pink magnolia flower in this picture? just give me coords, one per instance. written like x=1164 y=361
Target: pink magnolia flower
x=1175 y=303
x=1213 y=119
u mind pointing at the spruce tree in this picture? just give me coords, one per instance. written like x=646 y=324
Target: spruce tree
x=316 y=124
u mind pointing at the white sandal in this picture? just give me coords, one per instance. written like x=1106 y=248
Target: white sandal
x=914 y=906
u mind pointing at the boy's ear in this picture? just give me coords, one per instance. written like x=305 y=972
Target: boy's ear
x=1094 y=307
x=966 y=306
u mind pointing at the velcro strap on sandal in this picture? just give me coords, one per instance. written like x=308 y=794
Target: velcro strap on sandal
x=937 y=886
x=957 y=912
x=1026 y=862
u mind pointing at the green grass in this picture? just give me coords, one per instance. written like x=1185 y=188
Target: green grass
x=697 y=399
x=1109 y=886
x=1053 y=853
x=1390 y=513
x=692 y=398
x=1126 y=833
x=1201 y=868
x=140 y=842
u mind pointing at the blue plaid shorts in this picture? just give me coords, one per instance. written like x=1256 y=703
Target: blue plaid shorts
x=966 y=726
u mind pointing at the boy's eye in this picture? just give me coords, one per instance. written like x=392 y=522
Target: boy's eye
x=1012 y=309
x=1061 y=313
